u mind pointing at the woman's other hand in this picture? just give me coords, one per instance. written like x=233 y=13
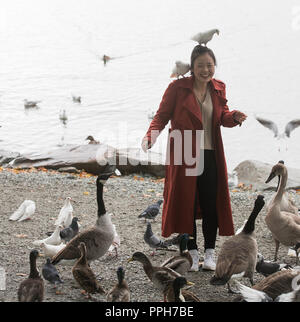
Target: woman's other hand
x=146 y=145
x=239 y=117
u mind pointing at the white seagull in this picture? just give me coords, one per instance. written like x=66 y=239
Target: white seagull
x=205 y=37
x=290 y=126
x=24 y=212
x=180 y=69
x=65 y=215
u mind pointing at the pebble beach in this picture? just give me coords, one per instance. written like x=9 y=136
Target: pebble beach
x=125 y=198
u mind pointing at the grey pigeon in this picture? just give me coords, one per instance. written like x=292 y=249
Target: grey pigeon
x=69 y=232
x=152 y=240
x=267 y=268
x=152 y=211
x=50 y=273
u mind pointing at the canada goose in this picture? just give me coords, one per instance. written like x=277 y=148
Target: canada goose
x=286 y=204
x=276 y=286
x=182 y=262
x=159 y=276
x=176 y=293
x=284 y=226
x=205 y=37
x=99 y=237
x=24 y=212
x=180 y=69
x=32 y=289
x=120 y=292
x=238 y=254
x=84 y=275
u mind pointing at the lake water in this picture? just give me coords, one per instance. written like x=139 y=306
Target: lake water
x=51 y=50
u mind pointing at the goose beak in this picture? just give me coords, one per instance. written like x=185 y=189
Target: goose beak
x=271 y=176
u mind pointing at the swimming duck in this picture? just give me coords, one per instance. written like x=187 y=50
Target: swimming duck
x=159 y=276
x=284 y=226
x=238 y=254
x=120 y=292
x=24 y=212
x=182 y=262
x=32 y=289
x=206 y=36
x=84 y=275
x=99 y=237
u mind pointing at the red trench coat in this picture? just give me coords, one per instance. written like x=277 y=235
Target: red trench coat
x=180 y=106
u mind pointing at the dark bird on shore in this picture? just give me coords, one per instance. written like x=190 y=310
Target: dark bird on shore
x=32 y=289
x=50 y=273
x=68 y=233
x=267 y=268
x=92 y=140
x=290 y=126
x=152 y=240
x=152 y=211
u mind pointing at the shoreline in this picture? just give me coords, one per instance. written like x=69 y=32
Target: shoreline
x=125 y=198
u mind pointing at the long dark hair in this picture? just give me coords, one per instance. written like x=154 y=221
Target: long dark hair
x=201 y=50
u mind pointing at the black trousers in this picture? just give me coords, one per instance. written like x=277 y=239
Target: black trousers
x=206 y=192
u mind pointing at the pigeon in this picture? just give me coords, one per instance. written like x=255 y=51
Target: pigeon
x=152 y=240
x=24 y=212
x=66 y=214
x=54 y=239
x=205 y=37
x=116 y=242
x=30 y=104
x=267 y=268
x=51 y=250
x=290 y=126
x=50 y=273
x=68 y=233
x=76 y=99
x=180 y=69
x=152 y=211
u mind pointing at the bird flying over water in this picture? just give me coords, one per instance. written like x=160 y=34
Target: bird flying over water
x=290 y=126
x=205 y=37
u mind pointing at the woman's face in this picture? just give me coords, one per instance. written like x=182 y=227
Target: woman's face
x=204 y=68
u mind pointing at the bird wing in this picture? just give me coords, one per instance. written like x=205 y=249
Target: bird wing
x=154 y=240
x=291 y=126
x=252 y=295
x=18 y=213
x=28 y=211
x=269 y=124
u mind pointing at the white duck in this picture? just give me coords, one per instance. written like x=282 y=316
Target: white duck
x=180 y=69
x=24 y=212
x=51 y=250
x=205 y=37
x=54 y=239
x=284 y=226
x=65 y=215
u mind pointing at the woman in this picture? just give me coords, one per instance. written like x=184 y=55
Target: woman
x=196 y=103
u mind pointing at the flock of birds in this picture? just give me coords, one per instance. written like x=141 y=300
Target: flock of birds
x=238 y=256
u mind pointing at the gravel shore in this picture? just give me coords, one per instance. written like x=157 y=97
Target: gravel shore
x=125 y=198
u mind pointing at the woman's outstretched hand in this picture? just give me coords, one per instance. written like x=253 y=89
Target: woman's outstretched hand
x=239 y=117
